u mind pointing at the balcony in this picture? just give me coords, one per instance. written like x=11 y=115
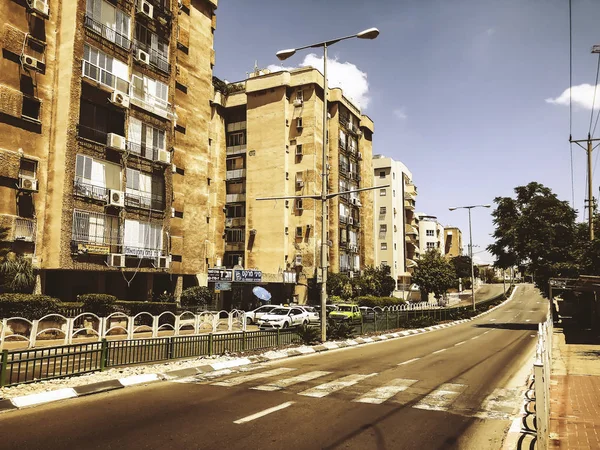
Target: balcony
x=92 y=134
x=162 y=11
x=233 y=198
x=234 y=246
x=236 y=174
x=235 y=222
x=343 y=219
x=409 y=204
x=157 y=59
x=143 y=252
x=411 y=230
x=144 y=200
x=104 y=77
x=143 y=150
x=343 y=243
x=151 y=103
x=25 y=229
x=82 y=188
x=95 y=233
x=344 y=169
x=236 y=150
x=107 y=33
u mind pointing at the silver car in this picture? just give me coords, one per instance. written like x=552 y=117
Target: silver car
x=252 y=316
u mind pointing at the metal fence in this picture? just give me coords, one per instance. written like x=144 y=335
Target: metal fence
x=27 y=366
x=541 y=372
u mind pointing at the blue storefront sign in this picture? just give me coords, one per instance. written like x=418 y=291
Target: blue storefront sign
x=247 y=276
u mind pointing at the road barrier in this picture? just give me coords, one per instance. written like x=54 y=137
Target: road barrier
x=541 y=371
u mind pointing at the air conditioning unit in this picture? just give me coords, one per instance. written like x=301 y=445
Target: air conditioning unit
x=116 y=198
x=330 y=243
x=358 y=133
x=162 y=262
x=30 y=62
x=119 y=99
x=351 y=220
x=28 y=183
x=116 y=260
x=359 y=155
x=115 y=141
x=41 y=7
x=145 y=8
x=298 y=102
x=142 y=56
x=164 y=156
x=298 y=260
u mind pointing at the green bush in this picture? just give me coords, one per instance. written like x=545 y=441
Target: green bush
x=382 y=302
x=99 y=304
x=337 y=330
x=309 y=335
x=154 y=308
x=30 y=306
x=196 y=296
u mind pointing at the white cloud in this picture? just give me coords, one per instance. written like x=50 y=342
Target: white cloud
x=582 y=97
x=490 y=31
x=344 y=75
x=400 y=114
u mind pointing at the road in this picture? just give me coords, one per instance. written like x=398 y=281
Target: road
x=452 y=388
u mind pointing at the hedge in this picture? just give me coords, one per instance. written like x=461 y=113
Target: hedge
x=99 y=304
x=154 y=308
x=372 y=302
x=29 y=306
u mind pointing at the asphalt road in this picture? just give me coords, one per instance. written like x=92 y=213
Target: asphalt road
x=452 y=388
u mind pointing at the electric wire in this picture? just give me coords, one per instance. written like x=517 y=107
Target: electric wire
x=594 y=99
x=571 y=104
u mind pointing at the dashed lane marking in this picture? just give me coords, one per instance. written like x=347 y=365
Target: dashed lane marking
x=409 y=361
x=263 y=413
x=439 y=351
x=459 y=343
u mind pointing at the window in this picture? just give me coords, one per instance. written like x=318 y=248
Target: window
x=95 y=228
x=31 y=108
x=382 y=174
x=105 y=69
x=384 y=246
x=235 y=235
x=144 y=190
x=298 y=232
x=238 y=138
x=156 y=47
x=143 y=239
x=300 y=95
x=431 y=245
x=382 y=192
x=152 y=95
x=94 y=177
x=383 y=228
x=232 y=211
x=108 y=21
x=298 y=204
x=145 y=140
x=28 y=168
x=96 y=121
x=299 y=122
x=382 y=210
x=394 y=193
x=429 y=233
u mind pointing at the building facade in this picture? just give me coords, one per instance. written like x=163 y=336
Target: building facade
x=452 y=241
x=273 y=133
x=431 y=234
x=396 y=237
x=107 y=144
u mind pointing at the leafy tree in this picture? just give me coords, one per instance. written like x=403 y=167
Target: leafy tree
x=536 y=229
x=462 y=266
x=338 y=284
x=197 y=296
x=16 y=274
x=433 y=274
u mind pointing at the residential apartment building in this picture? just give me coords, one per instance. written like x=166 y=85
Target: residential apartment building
x=396 y=236
x=274 y=126
x=452 y=241
x=107 y=146
x=431 y=234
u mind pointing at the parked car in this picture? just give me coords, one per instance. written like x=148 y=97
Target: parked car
x=283 y=318
x=313 y=315
x=346 y=311
x=328 y=309
x=368 y=314
x=252 y=316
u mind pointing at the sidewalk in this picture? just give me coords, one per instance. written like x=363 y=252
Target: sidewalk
x=575 y=389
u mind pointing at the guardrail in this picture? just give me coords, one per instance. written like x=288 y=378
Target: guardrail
x=27 y=366
x=541 y=373
x=57 y=326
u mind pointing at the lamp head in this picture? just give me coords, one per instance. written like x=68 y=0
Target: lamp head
x=452 y=208
x=370 y=33
x=487 y=206
x=285 y=54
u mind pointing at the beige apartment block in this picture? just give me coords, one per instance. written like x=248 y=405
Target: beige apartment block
x=106 y=144
x=396 y=239
x=431 y=234
x=452 y=241
x=274 y=126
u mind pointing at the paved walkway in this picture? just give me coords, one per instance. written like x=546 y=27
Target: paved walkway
x=575 y=390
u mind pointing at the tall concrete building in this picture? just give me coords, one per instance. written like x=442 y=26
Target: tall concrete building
x=431 y=234
x=274 y=125
x=107 y=145
x=452 y=241
x=396 y=237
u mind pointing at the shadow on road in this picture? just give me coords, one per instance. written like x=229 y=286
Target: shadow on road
x=509 y=326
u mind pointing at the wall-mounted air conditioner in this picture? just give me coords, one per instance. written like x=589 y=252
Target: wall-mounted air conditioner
x=116 y=260
x=31 y=62
x=162 y=262
x=40 y=7
x=116 y=198
x=298 y=102
x=115 y=141
x=142 y=57
x=351 y=220
x=164 y=156
x=28 y=183
x=145 y=8
x=119 y=99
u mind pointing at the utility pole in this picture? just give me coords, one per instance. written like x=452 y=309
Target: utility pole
x=589 y=148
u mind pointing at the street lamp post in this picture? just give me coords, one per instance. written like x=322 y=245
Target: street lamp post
x=469 y=208
x=370 y=33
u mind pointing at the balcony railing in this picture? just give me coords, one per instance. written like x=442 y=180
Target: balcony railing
x=162 y=11
x=235 y=222
x=343 y=219
x=145 y=200
x=236 y=174
x=236 y=149
x=343 y=243
x=107 y=33
x=92 y=134
x=96 y=229
x=151 y=103
x=344 y=168
x=234 y=246
x=231 y=198
x=83 y=188
x=104 y=77
x=143 y=150
x=24 y=229
x=157 y=59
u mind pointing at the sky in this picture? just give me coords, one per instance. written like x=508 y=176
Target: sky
x=472 y=95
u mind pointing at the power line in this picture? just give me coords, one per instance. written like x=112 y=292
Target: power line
x=594 y=99
x=571 y=104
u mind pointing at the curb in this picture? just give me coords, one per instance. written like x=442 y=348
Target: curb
x=26 y=401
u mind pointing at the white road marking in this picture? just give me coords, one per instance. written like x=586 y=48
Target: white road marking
x=439 y=351
x=476 y=337
x=527 y=320
x=381 y=394
x=441 y=398
x=409 y=361
x=460 y=343
x=260 y=414
x=486 y=332
x=325 y=389
x=255 y=376
x=492 y=320
x=278 y=385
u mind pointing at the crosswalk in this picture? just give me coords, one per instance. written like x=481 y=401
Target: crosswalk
x=365 y=388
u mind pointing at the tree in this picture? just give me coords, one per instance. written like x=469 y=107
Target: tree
x=462 y=266
x=16 y=275
x=538 y=230
x=197 y=296
x=433 y=274
x=338 y=284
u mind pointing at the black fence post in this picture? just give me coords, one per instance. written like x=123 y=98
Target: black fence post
x=3 y=368
x=277 y=342
x=210 y=344
x=103 y=354
x=243 y=340
x=387 y=322
x=171 y=350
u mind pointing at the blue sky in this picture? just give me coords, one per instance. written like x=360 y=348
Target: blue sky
x=460 y=90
